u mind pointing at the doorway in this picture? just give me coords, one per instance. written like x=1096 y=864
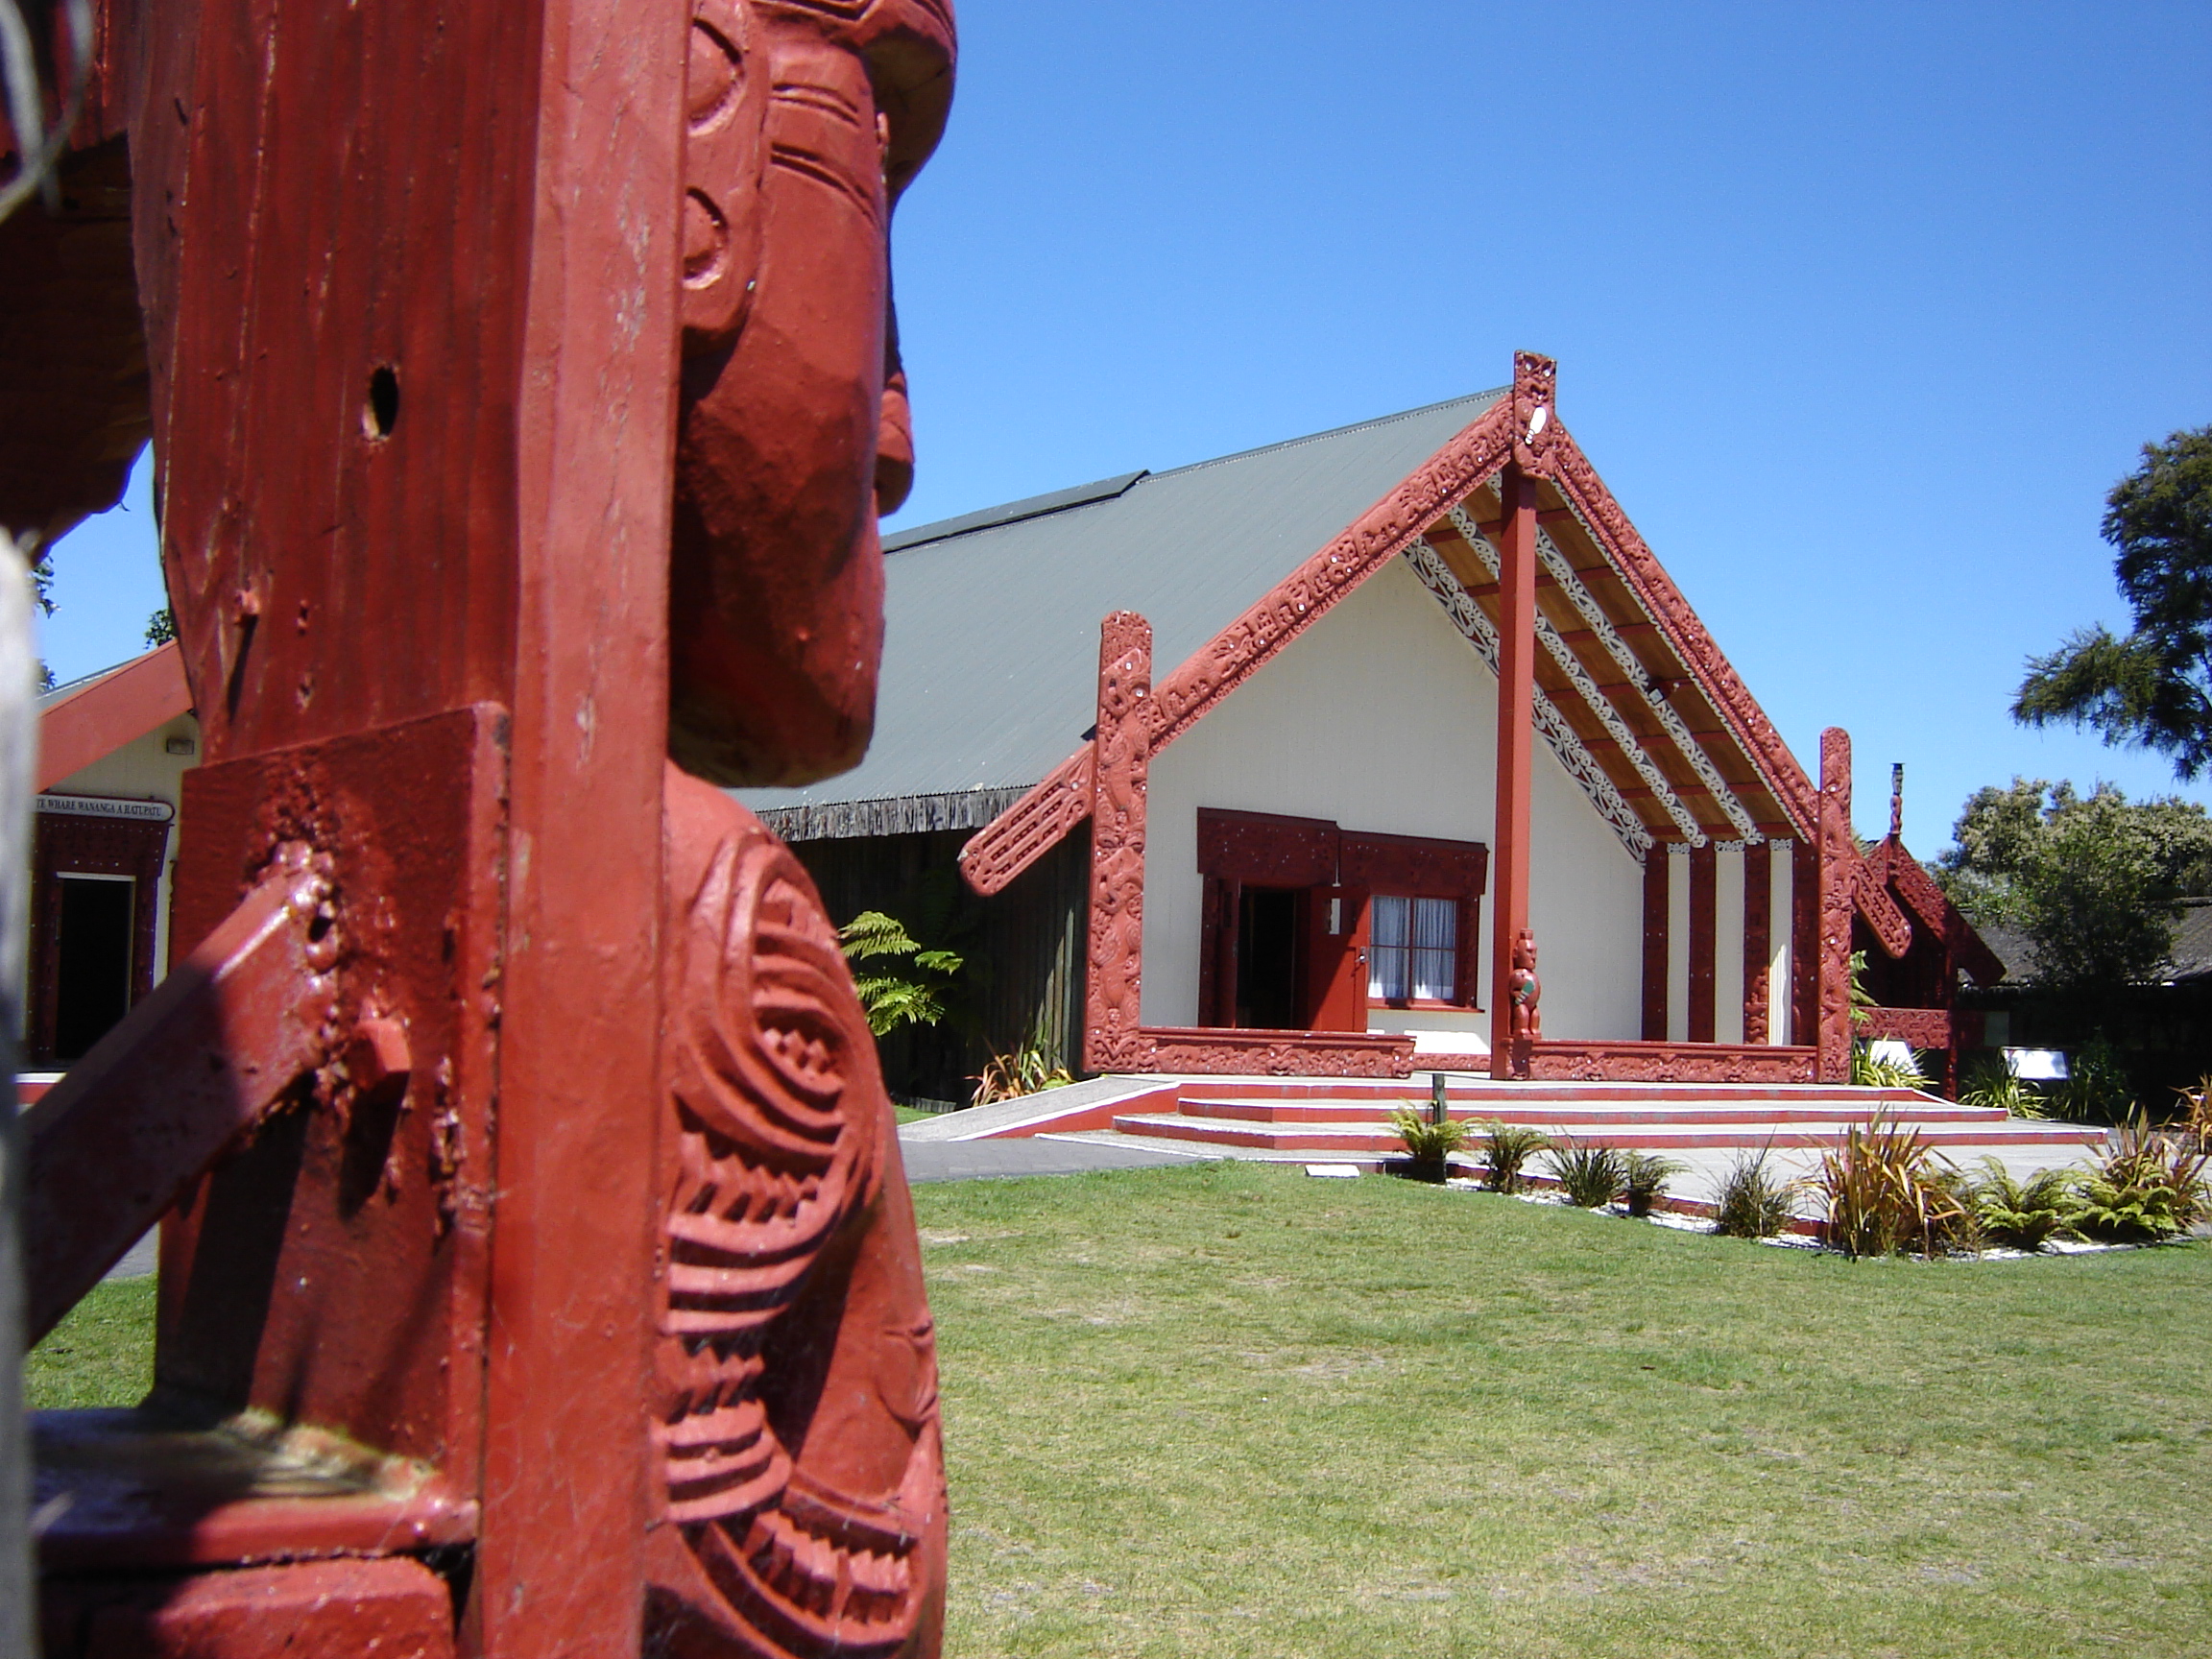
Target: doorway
x=93 y=960
x=1269 y=949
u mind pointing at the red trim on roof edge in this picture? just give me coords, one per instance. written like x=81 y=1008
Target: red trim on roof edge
x=144 y=693
x=1022 y=834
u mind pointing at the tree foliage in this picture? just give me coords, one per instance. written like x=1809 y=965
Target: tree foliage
x=2092 y=881
x=2153 y=687
x=899 y=981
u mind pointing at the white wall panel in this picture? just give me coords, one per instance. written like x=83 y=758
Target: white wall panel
x=1382 y=718
x=1728 y=945
x=1778 y=998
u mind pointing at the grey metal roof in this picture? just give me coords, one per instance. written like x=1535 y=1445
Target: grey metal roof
x=991 y=639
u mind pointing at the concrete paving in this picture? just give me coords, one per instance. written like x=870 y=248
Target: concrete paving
x=1037 y=1155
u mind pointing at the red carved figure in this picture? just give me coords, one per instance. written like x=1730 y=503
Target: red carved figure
x=536 y=1189
x=806 y=118
x=1527 y=990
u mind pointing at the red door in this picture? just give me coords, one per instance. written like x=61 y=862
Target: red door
x=1337 y=958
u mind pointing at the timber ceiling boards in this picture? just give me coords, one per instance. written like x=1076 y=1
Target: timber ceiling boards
x=1615 y=679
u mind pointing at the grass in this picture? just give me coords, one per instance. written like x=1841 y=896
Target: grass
x=1225 y=1409
x=100 y=1354
x=1222 y=1409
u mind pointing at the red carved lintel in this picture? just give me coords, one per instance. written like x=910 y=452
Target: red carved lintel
x=1922 y=1027
x=1121 y=747
x=1018 y=838
x=1222 y=1053
x=1672 y=1063
x=216 y=1047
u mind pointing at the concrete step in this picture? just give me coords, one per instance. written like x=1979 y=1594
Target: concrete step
x=1379 y=1138
x=1918 y=1109
x=1462 y=1088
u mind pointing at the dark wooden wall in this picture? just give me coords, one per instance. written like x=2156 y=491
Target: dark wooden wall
x=1024 y=945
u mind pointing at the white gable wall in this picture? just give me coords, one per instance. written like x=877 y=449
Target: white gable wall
x=1381 y=717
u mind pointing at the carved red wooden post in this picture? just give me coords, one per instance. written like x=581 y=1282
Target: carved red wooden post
x=1122 y=748
x=1837 y=858
x=1758 y=939
x=1657 y=867
x=586 y=1234
x=1805 y=939
x=1516 y=702
x=1704 y=939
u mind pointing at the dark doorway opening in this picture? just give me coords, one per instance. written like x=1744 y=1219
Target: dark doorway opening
x=1268 y=950
x=92 y=981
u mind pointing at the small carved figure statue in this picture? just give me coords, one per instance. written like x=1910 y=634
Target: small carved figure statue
x=1528 y=990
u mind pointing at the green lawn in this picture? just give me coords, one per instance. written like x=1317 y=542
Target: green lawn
x=1226 y=1409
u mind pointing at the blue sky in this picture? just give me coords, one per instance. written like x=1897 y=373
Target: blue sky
x=1859 y=309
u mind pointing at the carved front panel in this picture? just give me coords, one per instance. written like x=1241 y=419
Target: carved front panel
x=1120 y=770
x=1267 y=848
x=794 y=1417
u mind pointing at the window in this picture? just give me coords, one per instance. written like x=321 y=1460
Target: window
x=1412 y=949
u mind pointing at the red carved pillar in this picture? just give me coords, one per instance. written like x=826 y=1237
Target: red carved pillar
x=1704 y=938
x=1838 y=847
x=1804 y=940
x=1516 y=735
x=1758 y=939
x=1122 y=750
x=1658 y=863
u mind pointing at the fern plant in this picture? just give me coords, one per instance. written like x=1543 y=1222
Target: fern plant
x=905 y=982
x=2144 y=1188
x=1590 y=1176
x=1428 y=1146
x=1506 y=1148
x=2023 y=1215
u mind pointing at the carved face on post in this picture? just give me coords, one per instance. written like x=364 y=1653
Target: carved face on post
x=807 y=119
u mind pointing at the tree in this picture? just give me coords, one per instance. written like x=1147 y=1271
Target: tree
x=2151 y=688
x=2093 y=882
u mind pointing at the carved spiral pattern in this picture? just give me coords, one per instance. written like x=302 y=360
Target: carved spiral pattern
x=773 y=1178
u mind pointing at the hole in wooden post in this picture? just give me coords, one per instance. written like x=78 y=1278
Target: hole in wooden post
x=383 y=411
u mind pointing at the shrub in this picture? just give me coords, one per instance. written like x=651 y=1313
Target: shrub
x=1429 y=1145
x=1591 y=1176
x=2021 y=1215
x=2145 y=1188
x=1991 y=1081
x=2195 y=1121
x=1505 y=1148
x=1888 y=1192
x=1644 y=1178
x=2096 y=1090
x=1024 y=1070
x=1869 y=1072
x=1754 y=1202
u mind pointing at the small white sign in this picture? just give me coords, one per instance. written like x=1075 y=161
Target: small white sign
x=1335 y=1171
x=106 y=807
x=2038 y=1065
